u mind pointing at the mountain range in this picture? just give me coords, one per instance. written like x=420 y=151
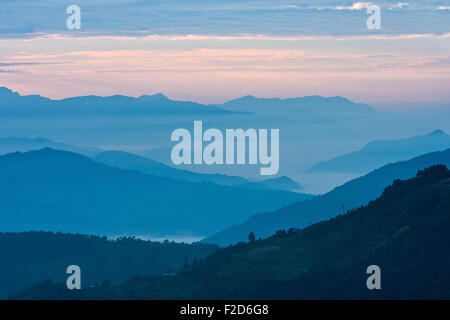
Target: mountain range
x=125 y=160
x=19 y=144
x=310 y=104
x=403 y=234
x=14 y=104
x=381 y=152
x=350 y=195
x=63 y=191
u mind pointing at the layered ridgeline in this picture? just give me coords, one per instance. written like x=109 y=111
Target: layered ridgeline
x=63 y=191
x=380 y=152
x=350 y=195
x=404 y=232
x=325 y=106
x=131 y=161
x=20 y=144
x=31 y=257
x=14 y=104
x=125 y=160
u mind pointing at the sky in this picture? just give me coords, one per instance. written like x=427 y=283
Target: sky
x=214 y=51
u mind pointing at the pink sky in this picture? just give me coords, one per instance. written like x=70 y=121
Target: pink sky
x=214 y=70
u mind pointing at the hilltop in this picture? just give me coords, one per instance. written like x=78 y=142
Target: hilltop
x=380 y=152
x=57 y=190
x=350 y=195
x=404 y=232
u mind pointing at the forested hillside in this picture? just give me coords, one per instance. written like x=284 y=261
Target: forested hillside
x=31 y=257
x=404 y=232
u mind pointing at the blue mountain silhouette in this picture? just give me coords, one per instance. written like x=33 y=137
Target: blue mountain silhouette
x=125 y=160
x=381 y=152
x=62 y=191
x=14 y=144
x=14 y=104
x=350 y=195
x=303 y=105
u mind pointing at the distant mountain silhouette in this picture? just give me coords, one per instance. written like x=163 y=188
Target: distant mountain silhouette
x=131 y=161
x=63 y=191
x=283 y=183
x=312 y=104
x=125 y=160
x=160 y=154
x=381 y=152
x=155 y=97
x=14 y=104
x=10 y=98
x=14 y=144
x=352 y=194
x=404 y=232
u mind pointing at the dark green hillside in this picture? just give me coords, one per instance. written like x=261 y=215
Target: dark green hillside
x=31 y=257
x=405 y=232
x=350 y=195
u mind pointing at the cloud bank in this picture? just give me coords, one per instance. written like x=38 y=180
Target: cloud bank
x=26 y=18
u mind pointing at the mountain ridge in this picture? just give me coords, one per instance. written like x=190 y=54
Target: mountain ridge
x=307 y=104
x=131 y=161
x=404 y=233
x=12 y=103
x=42 y=255
x=379 y=152
x=22 y=144
x=160 y=104
x=63 y=191
x=350 y=195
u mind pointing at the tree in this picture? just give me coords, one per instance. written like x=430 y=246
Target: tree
x=251 y=236
x=280 y=233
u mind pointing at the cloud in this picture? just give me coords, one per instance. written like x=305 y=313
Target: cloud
x=355 y=6
x=27 y=18
x=200 y=60
x=9 y=64
x=156 y=38
x=439 y=62
x=400 y=5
